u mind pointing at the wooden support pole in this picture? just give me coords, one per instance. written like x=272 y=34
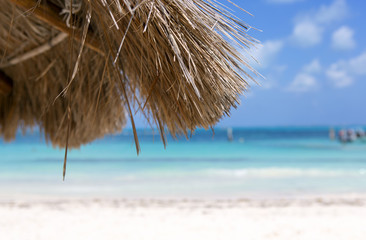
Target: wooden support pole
x=50 y=15
x=6 y=84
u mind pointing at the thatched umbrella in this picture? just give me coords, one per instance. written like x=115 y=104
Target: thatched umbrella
x=79 y=68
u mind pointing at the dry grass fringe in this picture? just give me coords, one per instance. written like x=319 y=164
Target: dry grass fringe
x=177 y=62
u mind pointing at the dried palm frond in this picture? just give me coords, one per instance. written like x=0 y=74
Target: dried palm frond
x=80 y=67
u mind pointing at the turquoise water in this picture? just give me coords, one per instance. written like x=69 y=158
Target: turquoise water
x=260 y=162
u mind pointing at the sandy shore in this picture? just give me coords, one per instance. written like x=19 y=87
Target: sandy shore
x=184 y=219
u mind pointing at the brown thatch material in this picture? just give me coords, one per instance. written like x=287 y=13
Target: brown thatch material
x=79 y=75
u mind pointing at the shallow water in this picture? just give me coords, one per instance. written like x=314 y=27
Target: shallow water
x=260 y=162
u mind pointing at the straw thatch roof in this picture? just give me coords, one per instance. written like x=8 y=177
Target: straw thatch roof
x=80 y=68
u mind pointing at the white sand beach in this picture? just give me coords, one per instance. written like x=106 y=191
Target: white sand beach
x=184 y=219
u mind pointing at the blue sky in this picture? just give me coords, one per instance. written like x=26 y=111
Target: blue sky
x=313 y=58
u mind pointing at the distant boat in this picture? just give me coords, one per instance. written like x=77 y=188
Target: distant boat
x=360 y=133
x=351 y=135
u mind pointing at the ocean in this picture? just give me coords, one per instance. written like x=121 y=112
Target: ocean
x=282 y=162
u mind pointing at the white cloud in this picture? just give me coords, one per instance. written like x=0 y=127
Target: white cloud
x=337 y=11
x=309 y=28
x=267 y=52
x=303 y=82
x=342 y=38
x=343 y=73
x=339 y=76
x=313 y=67
x=307 y=33
x=357 y=65
x=271 y=77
